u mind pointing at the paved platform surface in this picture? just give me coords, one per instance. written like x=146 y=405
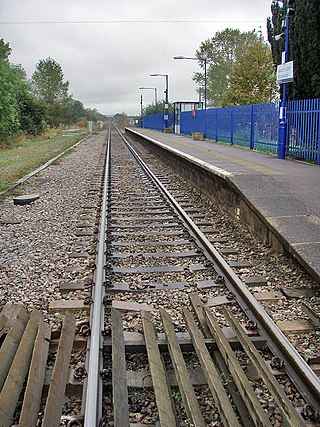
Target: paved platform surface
x=286 y=192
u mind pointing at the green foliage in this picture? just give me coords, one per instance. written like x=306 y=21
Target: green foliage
x=47 y=81
x=121 y=120
x=28 y=107
x=12 y=86
x=31 y=114
x=93 y=114
x=304 y=42
x=48 y=85
x=252 y=79
x=5 y=50
x=274 y=28
x=156 y=108
x=221 y=53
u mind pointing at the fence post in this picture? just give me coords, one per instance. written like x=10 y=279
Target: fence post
x=252 y=128
x=232 y=126
x=217 y=125
x=317 y=111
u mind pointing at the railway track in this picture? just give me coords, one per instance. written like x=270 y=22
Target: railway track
x=175 y=337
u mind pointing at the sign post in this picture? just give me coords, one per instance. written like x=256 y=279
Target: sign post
x=284 y=76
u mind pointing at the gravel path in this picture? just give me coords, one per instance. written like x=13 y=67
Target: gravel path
x=34 y=251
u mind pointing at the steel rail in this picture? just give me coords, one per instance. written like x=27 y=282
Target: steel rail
x=297 y=369
x=93 y=391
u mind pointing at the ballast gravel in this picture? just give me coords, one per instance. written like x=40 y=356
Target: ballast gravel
x=35 y=250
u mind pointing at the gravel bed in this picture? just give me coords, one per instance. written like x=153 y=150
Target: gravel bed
x=279 y=271
x=35 y=251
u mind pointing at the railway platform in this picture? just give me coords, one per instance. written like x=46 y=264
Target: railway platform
x=283 y=194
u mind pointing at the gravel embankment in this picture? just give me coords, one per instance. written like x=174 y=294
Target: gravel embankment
x=34 y=251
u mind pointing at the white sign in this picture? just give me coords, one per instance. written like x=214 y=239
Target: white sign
x=285 y=73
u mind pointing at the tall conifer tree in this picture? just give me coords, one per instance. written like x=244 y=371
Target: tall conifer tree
x=304 y=45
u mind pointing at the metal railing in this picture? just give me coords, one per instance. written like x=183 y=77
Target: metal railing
x=255 y=126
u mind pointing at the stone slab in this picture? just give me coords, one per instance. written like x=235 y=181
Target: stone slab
x=131 y=306
x=217 y=301
x=293 y=327
x=78 y=255
x=309 y=251
x=275 y=206
x=273 y=296
x=254 y=280
x=26 y=199
x=70 y=306
x=299 y=292
x=71 y=286
x=159 y=269
x=298 y=229
x=84 y=233
x=239 y=264
x=9 y=221
x=257 y=185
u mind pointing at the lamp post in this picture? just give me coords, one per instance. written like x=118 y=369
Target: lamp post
x=155 y=93
x=166 y=105
x=141 y=109
x=205 y=74
x=283 y=122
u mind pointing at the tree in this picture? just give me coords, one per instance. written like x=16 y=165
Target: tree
x=252 y=79
x=156 y=108
x=121 y=120
x=48 y=85
x=5 y=50
x=12 y=86
x=31 y=114
x=221 y=53
x=47 y=82
x=304 y=41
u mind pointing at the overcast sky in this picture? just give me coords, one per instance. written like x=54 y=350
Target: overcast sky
x=108 y=49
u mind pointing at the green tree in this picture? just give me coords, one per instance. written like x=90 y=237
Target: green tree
x=156 y=108
x=121 y=120
x=31 y=114
x=5 y=50
x=252 y=79
x=304 y=42
x=221 y=53
x=12 y=86
x=47 y=84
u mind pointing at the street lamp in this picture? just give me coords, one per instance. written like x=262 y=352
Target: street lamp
x=155 y=93
x=283 y=122
x=141 y=108
x=205 y=74
x=166 y=105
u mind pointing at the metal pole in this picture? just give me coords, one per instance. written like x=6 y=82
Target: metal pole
x=166 y=107
x=155 y=96
x=205 y=83
x=141 y=106
x=283 y=123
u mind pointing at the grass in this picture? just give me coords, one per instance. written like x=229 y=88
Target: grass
x=28 y=154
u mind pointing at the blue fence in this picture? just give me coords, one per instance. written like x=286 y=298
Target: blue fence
x=155 y=121
x=303 y=137
x=254 y=126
